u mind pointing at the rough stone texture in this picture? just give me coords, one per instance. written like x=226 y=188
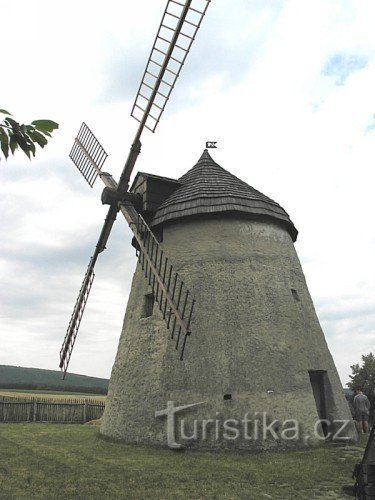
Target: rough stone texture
x=250 y=334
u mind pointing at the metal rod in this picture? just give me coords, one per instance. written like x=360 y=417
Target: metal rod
x=179 y=294
x=183 y=347
x=173 y=327
x=183 y=314
x=191 y=313
x=174 y=289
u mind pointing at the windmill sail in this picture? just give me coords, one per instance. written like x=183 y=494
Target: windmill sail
x=87 y=154
x=170 y=292
x=176 y=33
x=75 y=320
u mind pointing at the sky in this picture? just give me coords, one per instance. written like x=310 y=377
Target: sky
x=286 y=88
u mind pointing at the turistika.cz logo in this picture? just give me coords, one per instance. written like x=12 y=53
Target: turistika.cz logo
x=258 y=427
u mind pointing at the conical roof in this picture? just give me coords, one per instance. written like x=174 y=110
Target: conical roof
x=208 y=189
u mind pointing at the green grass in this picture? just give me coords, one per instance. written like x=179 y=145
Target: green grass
x=51 y=461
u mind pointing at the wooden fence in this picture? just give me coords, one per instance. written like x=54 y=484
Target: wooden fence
x=68 y=411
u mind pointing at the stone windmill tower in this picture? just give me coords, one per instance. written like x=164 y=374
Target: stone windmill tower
x=257 y=347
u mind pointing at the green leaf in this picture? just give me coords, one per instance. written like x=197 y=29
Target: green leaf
x=23 y=144
x=12 y=123
x=13 y=135
x=38 y=138
x=13 y=144
x=45 y=125
x=32 y=147
x=4 y=142
x=5 y=112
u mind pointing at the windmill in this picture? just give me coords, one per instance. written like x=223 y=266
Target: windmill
x=257 y=347
x=176 y=33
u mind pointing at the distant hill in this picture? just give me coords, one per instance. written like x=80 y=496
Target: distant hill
x=17 y=377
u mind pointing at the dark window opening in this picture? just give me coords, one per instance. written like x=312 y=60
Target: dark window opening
x=319 y=386
x=227 y=397
x=148 y=305
x=295 y=295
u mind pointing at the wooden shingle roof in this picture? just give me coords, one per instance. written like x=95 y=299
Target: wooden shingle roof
x=209 y=189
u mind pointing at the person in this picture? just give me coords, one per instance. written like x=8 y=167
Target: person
x=371 y=398
x=362 y=410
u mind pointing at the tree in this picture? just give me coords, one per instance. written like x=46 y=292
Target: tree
x=363 y=377
x=13 y=135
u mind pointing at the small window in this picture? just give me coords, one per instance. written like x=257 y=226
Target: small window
x=227 y=397
x=148 y=305
x=295 y=295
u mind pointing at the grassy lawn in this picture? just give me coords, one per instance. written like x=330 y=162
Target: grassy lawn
x=48 y=461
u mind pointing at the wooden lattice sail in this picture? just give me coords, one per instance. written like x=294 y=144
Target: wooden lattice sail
x=176 y=33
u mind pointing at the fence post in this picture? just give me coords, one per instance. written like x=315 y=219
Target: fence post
x=35 y=408
x=84 y=411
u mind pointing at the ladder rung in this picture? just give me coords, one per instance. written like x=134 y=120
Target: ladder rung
x=164 y=39
x=154 y=62
x=147 y=85
x=144 y=97
x=192 y=24
x=182 y=48
x=164 y=53
x=160 y=93
x=168 y=27
x=198 y=11
x=149 y=128
x=166 y=83
x=172 y=15
x=178 y=3
x=156 y=119
x=177 y=60
x=187 y=36
x=170 y=71
x=171 y=85
x=152 y=74
x=157 y=105
x=138 y=106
